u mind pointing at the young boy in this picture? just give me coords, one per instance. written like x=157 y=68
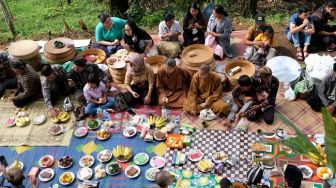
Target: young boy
x=243 y=96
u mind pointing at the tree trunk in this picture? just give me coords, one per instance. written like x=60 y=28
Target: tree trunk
x=8 y=17
x=121 y=5
x=249 y=7
x=82 y=25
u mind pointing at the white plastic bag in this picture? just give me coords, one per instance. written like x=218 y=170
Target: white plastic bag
x=68 y=106
x=289 y=94
x=207 y=115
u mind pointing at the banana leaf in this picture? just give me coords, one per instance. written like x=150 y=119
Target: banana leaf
x=330 y=138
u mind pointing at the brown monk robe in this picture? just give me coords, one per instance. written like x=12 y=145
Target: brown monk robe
x=205 y=93
x=172 y=83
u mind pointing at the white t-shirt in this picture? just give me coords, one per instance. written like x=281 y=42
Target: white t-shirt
x=163 y=28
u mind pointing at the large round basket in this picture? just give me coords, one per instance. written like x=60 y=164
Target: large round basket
x=247 y=68
x=156 y=62
x=100 y=54
x=196 y=55
x=27 y=51
x=55 y=55
x=117 y=70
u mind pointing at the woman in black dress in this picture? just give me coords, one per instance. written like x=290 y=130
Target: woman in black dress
x=194 y=26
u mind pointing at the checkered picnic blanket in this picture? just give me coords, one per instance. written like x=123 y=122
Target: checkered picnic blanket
x=234 y=143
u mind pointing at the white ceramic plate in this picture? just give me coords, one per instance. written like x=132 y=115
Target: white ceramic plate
x=102 y=153
x=211 y=164
x=107 y=170
x=86 y=165
x=58 y=132
x=126 y=134
x=81 y=132
x=157 y=162
x=136 y=161
x=158 y=139
x=50 y=164
x=102 y=139
x=150 y=173
x=329 y=171
x=12 y=124
x=39 y=120
x=308 y=169
x=88 y=170
x=50 y=170
x=12 y=165
x=135 y=120
x=64 y=167
x=68 y=183
x=219 y=161
x=196 y=159
x=135 y=175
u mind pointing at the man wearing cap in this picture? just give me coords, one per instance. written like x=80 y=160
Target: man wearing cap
x=326 y=96
x=7 y=76
x=79 y=74
x=324 y=32
x=28 y=82
x=54 y=81
x=252 y=33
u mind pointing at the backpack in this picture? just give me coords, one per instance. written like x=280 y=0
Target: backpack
x=254 y=175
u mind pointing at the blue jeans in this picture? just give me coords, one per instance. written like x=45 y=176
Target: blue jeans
x=298 y=38
x=91 y=108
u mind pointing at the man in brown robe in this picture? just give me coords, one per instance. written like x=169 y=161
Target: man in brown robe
x=205 y=93
x=172 y=83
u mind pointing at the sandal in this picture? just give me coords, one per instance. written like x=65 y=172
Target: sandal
x=299 y=56
x=305 y=54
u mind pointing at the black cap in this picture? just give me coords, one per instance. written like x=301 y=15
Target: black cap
x=80 y=61
x=260 y=19
x=225 y=183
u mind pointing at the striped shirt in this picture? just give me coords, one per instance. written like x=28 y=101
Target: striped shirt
x=28 y=84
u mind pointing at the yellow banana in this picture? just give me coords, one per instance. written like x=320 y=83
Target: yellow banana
x=313 y=155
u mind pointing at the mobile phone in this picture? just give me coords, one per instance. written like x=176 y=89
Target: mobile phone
x=130 y=111
x=3 y=161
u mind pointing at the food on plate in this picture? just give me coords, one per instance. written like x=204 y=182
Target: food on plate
x=258 y=147
x=46 y=161
x=66 y=178
x=205 y=165
x=132 y=171
x=22 y=121
x=174 y=141
x=156 y=121
x=10 y=122
x=159 y=135
x=187 y=129
x=108 y=123
x=99 y=58
x=195 y=155
x=86 y=161
x=84 y=173
x=129 y=131
x=22 y=114
x=103 y=134
x=46 y=174
x=104 y=155
x=40 y=119
x=113 y=168
x=157 y=162
x=149 y=136
x=81 y=131
x=100 y=172
x=151 y=173
x=141 y=158
x=136 y=120
x=93 y=124
x=91 y=58
x=122 y=153
x=306 y=171
x=56 y=130
x=324 y=173
x=219 y=157
x=65 y=162
x=121 y=53
x=62 y=117
x=267 y=162
x=16 y=164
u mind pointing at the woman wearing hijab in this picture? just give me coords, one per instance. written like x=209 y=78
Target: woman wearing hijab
x=194 y=26
x=219 y=30
x=109 y=33
x=138 y=40
x=139 y=80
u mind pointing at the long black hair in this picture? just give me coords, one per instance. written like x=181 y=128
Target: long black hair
x=219 y=9
x=194 y=6
x=136 y=30
x=93 y=78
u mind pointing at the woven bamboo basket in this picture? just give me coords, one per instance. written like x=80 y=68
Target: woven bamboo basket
x=100 y=54
x=117 y=70
x=59 y=55
x=196 y=55
x=247 y=68
x=27 y=51
x=156 y=62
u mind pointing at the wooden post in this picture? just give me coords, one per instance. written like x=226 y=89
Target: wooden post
x=8 y=17
x=82 y=25
x=249 y=7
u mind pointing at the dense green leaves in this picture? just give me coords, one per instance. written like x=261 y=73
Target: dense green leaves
x=330 y=138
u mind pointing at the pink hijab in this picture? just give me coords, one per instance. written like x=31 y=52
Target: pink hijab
x=139 y=67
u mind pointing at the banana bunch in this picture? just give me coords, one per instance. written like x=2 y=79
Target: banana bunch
x=122 y=153
x=22 y=121
x=205 y=165
x=62 y=117
x=157 y=121
x=321 y=159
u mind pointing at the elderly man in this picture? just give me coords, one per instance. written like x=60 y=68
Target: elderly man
x=54 y=82
x=79 y=75
x=29 y=85
x=172 y=83
x=205 y=93
x=252 y=32
x=326 y=96
x=7 y=76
